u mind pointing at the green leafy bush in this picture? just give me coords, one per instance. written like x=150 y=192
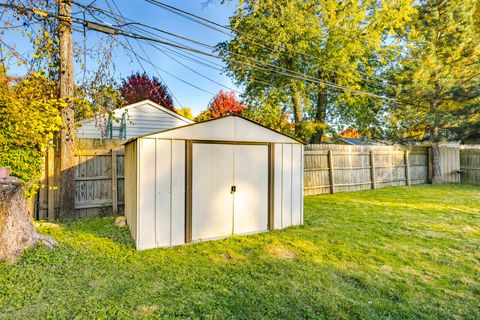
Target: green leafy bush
x=29 y=119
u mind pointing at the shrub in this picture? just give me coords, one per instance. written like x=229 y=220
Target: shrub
x=29 y=119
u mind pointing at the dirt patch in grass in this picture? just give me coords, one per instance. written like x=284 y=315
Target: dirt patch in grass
x=146 y=310
x=280 y=252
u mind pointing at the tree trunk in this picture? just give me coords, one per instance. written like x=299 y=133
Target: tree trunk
x=297 y=108
x=66 y=141
x=321 y=112
x=17 y=232
x=436 y=164
x=435 y=139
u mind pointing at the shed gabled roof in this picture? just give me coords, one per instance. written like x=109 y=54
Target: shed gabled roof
x=229 y=128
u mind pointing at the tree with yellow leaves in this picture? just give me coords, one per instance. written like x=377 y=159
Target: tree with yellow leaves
x=438 y=75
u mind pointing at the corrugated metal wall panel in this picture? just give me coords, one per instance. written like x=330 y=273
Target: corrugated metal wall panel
x=302 y=172
x=130 y=188
x=287 y=186
x=226 y=129
x=212 y=202
x=146 y=193
x=128 y=182
x=296 y=184
x=161 y=210
x=163 y=178
x=278 y=184
x=178 y=193
x=251 y=196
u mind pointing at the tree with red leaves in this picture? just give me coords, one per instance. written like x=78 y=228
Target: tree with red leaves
x=223 y=104
x=350 y=133
x=139 y=87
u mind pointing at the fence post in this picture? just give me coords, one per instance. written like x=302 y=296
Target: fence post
x=407 y=168
x=50 y=184
x=372 y=170
x=429 y=165
x=114 y=182
x=330 y=171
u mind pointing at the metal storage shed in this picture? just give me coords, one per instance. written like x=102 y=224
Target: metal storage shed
x=211 y=180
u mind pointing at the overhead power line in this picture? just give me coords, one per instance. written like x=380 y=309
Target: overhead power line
x=148 y=58
x=218 y=27
x=277 y=70
x=100 y=27
x=198 y=73
x=169 y=73
x=315 y=80
x=221 y=28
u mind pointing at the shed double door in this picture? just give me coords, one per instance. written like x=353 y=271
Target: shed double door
x=229 y=189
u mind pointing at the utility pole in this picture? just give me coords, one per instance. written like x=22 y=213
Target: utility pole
x=66 y=146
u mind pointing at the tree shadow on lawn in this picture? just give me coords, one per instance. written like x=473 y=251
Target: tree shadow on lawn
x=292 y=273
x=355 y=257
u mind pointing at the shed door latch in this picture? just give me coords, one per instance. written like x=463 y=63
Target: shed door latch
x=233 y=189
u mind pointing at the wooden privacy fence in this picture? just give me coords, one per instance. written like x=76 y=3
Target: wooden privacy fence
x=99 y=180
x=99 y=177
x=335 y=168
x=470 y=164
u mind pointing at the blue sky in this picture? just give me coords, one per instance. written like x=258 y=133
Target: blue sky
x=147 y=13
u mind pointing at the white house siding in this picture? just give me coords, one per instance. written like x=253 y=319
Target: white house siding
x=145 y=120
x=91 y=129
x=142 y=118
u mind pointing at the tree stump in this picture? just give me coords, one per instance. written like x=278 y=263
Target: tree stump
x=17 y=232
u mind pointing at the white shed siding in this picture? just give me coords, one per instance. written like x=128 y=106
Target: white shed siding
x=302 y=172
x=296 y=184
x=131 y=187
x=156 y=212
x=178 y=193
x=143 y=118
x=161 y=193
x=278 y=184
x=209 y=130
x=287 y=186
x=146 y=221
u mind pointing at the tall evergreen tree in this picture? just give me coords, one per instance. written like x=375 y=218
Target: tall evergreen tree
x=439 y=75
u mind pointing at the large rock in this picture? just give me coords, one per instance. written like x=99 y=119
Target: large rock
x=17 y=232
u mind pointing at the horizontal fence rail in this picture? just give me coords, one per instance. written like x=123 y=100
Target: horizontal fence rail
x=470 y=164
x=328 y=168
x=99 y=180
x=340 y=168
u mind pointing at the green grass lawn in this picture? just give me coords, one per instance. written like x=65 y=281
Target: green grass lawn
x=398 y=253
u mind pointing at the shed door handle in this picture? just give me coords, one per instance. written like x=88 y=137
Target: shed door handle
x=233 y=189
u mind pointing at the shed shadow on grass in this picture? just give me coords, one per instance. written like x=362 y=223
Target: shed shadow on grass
x=103 y=228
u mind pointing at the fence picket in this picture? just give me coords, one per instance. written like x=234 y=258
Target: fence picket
x=353 y=168
x=327 y=169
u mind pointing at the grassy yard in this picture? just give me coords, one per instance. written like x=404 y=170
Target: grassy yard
x=399 y=253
